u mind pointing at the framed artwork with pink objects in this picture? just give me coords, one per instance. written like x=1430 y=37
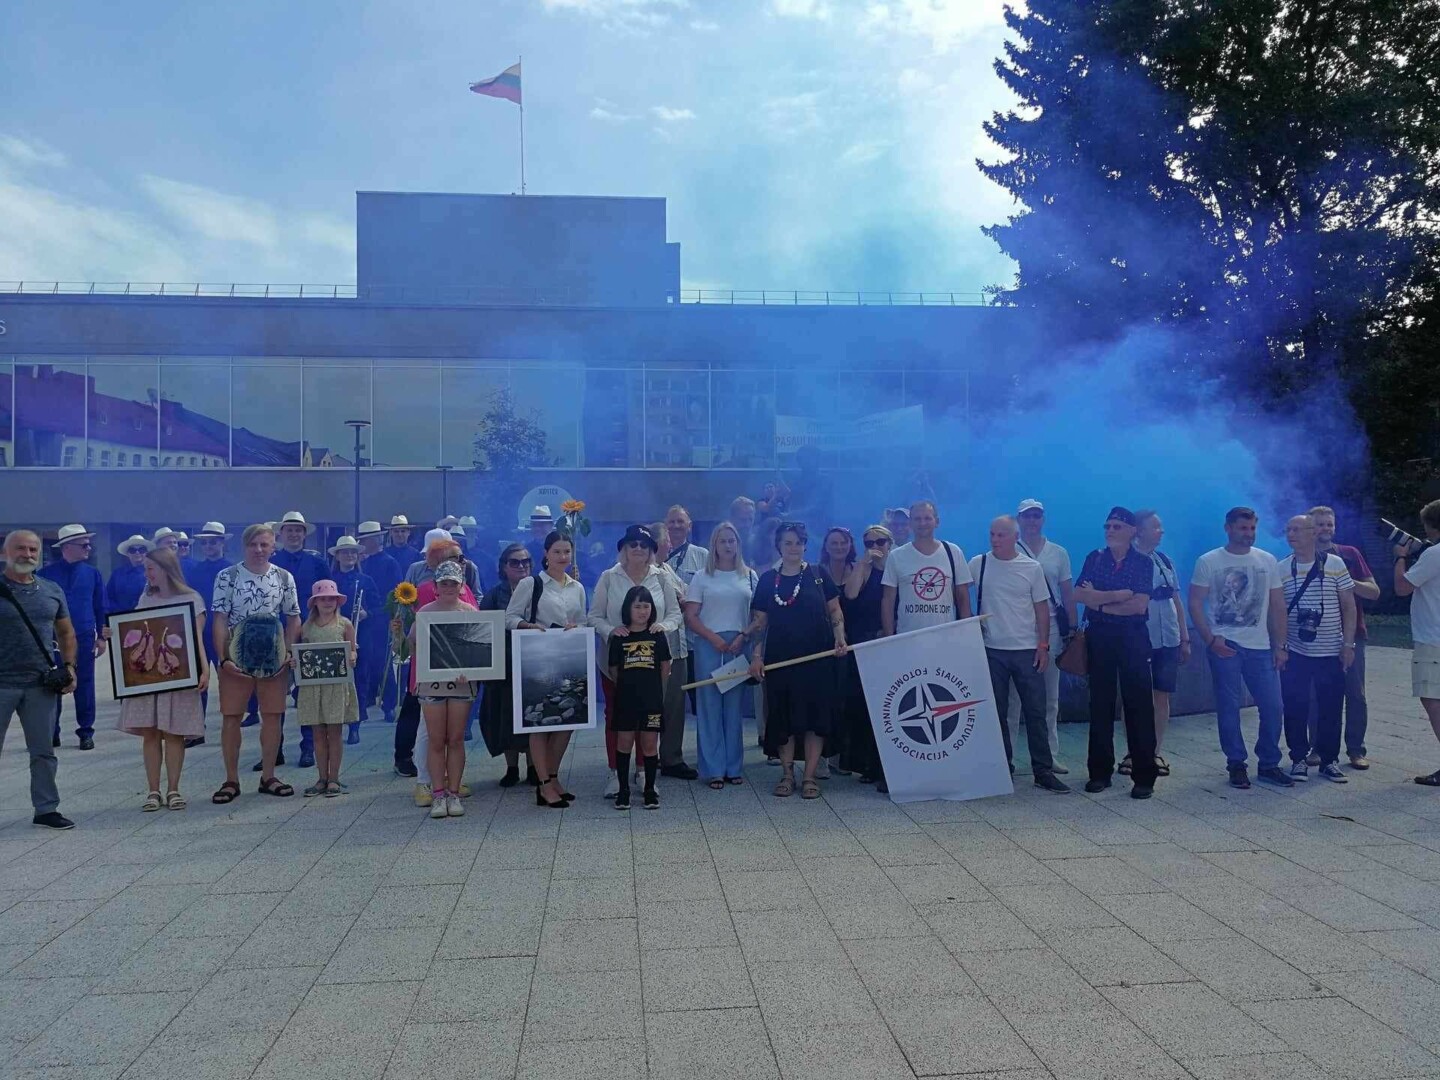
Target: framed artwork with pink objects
x=153 y=650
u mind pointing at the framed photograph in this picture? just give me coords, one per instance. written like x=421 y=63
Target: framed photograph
x=450 y=643
x=554 y=682
x=153 y=650
x=318 y=663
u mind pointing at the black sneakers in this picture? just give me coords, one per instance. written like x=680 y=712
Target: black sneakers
x=1275 y=775
x=1092 y=786
x=622 y=799
x=53 y=820
x=1051 y=782
x=652 y=800
x=1239 y=777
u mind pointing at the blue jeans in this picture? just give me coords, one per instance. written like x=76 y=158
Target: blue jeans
x=720 y=723
x=1256 y=667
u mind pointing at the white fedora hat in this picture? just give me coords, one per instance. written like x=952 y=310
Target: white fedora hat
x=447 y=521
x=345 y=543
x=212 y=530
x=135 y=541
x=541 y=513
x=368 y=528
x=294 y=517
x=161 y=533
x=181 y=537
x=468 y=521
x=71 y=532
x=457 y=530
x=400 y=521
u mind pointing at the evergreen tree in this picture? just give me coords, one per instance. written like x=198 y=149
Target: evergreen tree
x=508 y=444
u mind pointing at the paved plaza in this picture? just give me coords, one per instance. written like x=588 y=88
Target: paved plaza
x=1209 y=933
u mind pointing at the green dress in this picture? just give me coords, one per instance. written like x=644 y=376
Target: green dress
x=332 y=703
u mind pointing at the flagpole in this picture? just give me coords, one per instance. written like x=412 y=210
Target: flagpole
x=520 y=64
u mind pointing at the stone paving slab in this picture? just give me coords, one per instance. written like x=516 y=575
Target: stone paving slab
x=1209 y=933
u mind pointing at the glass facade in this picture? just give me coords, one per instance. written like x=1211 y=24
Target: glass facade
x=137 y=412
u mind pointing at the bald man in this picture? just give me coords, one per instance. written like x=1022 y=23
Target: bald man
x=25 y=662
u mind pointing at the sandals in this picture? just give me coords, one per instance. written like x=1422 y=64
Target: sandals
x=152 y=802
x=1125 y=766
x=734 y=780
x=317 y=788
x=1433 y=780
x=718 y=784
x=275 y=786
x=228 y=793
x=809 y=789
x=175 y=801
x=332 y=789
x=786 y=787
x=1162 y=767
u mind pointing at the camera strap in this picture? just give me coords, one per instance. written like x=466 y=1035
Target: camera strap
x=8 y=593
x=1316 y=569
x=1062 y=617
x=980 y=589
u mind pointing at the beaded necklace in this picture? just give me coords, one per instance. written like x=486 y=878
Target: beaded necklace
x=795 y=593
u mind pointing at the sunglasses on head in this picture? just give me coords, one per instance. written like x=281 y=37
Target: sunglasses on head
x=879 y=541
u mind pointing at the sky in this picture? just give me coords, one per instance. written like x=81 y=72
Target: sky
x=802 y=144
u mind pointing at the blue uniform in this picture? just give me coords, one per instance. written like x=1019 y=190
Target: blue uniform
x=386 y=572
x=122 y=591
x=404 y=555
x=357 y=585
x=85 y=596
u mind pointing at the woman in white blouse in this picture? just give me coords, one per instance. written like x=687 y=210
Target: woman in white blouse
x=560 y=606
x=634 y=567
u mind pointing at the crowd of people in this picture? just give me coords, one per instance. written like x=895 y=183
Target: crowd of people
x=669 y=611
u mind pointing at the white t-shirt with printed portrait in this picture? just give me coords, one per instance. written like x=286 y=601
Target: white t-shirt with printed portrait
x=1238 y=603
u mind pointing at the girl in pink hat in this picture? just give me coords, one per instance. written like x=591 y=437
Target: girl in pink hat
x=328 y=707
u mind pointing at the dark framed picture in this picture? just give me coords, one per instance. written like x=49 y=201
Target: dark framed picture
x=318 y=663
x=153 y=650
x=554 y=688
x=451 y=643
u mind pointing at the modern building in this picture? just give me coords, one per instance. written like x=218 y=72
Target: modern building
x=131 y=406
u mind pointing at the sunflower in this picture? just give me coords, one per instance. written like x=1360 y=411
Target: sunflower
x=571 y=506
x=405 y=593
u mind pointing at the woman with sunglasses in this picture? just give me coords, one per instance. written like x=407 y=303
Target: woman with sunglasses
x=497 y=722
x=860 y=601
x=797 y=609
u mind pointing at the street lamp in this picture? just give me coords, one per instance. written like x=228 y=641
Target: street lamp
x=359 y=426
x=444 y=489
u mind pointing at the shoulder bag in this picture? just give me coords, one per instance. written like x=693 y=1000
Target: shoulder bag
x=56 y=678
x=1062 y=617
x=1074 y=659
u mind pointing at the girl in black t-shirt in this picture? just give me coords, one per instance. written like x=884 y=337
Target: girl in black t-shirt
x=640 y=658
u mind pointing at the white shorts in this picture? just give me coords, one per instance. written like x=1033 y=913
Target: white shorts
x=1425 y=671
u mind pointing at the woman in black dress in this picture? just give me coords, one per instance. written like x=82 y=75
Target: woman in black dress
x=496 y=713
x=860 y=601
x=797 y=608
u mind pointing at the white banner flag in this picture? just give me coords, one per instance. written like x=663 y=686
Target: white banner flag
x=934 y=715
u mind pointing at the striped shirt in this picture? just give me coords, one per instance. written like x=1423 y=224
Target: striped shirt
x=1321 y=599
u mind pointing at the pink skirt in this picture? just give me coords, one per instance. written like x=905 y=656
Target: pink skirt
x=176 y=712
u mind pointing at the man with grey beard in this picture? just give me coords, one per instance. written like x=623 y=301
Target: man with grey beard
x=25 y=663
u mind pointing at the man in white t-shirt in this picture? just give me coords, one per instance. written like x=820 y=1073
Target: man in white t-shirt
x=927 y=576
x=1419 y=579
x=1010 y=592
x=1055 y=561
x=1238 y=608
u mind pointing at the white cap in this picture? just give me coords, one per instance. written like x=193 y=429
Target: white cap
x=135 y=541
x=71 y=532
x=368 y=528
x=294 y=517
x=433 y=535
x=1030 y=504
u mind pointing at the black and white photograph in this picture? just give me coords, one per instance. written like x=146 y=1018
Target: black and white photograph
x=320 y=663
x=553 y=687
x=450 y=643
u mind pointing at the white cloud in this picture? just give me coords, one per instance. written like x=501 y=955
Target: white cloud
x=801 y=9
x=635 y=16
x=609 y=113
x=666 y=115
x=704 y=26
x=943 y=23
x=792 y=114
x=30 y=151
x=213 y=214
x=863 y=153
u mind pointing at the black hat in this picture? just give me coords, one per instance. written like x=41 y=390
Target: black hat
x=640 y=533
x=1119 y=513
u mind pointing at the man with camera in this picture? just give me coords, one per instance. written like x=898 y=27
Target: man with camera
x=1320 y=638
x=34 y=618
x=1357 y=711
x=1417 y=575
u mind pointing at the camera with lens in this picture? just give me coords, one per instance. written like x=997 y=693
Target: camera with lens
x=1307 y=623
x=1398 y=537
x=1162 y=592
